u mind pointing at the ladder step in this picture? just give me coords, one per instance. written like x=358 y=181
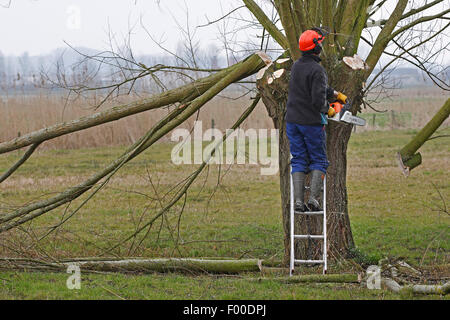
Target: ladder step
x=308 y=261
x=306 y=236
x=309 y=212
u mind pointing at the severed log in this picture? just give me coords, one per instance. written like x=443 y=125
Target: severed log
x=407 y=157
x=392 y=285
x=183 y=94
x=173 y=264
x=197 y=265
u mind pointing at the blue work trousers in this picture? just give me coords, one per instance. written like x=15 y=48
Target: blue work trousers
x=308 y=147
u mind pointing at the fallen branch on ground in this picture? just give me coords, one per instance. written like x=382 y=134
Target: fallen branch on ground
x=139 y=265
x=416 y=288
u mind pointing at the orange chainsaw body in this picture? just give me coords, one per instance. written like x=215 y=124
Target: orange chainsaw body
x=337 y=106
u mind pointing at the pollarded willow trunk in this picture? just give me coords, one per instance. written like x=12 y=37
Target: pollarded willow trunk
x=273 y=86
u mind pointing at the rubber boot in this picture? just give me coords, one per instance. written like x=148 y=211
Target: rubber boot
x=298 y=180
x=316 y=188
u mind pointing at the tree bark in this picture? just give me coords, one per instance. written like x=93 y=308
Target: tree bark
x=274 y=96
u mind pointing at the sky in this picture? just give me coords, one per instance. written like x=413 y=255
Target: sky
x=39 y=26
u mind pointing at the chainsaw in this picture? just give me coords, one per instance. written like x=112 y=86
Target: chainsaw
x=341 y=113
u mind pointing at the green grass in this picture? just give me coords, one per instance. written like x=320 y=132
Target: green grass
x=390 y=216
x=176 y=286
x=387 y=119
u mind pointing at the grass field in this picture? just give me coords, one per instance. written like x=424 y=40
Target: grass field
x=391 y=216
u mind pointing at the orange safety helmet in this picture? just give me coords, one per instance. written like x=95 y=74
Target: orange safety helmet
x=310 y=39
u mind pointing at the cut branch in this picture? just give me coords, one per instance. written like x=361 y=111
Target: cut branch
x=241 y=70
x=140 y=265
x=417 y=288
x=182 y=94
x=407 y=156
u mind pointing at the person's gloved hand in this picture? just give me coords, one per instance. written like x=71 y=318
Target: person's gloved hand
x=341 y=97
x=331 y=112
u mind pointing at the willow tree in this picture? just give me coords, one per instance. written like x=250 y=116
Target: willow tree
x=348 y=22
x=404 y=35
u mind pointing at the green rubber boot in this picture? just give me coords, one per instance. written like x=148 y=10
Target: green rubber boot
x=298 y=180
x=316 y=189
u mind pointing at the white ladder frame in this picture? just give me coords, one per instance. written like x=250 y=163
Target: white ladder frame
x=306 y=236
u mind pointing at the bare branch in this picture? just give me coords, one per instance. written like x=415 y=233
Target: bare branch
x=384 y=36
x=416 y=22
x=221 y=18
x=267 y=24
x=22 y=160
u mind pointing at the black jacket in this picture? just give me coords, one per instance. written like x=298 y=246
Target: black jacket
x=308 y=92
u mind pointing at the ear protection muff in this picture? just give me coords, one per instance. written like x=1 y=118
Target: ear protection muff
x=322 y=34
x=317 y=49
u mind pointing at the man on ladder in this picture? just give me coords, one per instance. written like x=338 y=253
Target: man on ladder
x=306 y=116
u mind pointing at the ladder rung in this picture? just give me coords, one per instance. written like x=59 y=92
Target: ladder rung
x=309 y=212
x=308 y=261
x=306 y=236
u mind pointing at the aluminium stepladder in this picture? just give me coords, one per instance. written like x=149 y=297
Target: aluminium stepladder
x=309 y=236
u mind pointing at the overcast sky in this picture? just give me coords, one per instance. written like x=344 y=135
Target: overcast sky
x=39 y=26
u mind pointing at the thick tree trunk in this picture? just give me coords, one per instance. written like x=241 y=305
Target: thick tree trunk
x=274 y=96
x=274 y=91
